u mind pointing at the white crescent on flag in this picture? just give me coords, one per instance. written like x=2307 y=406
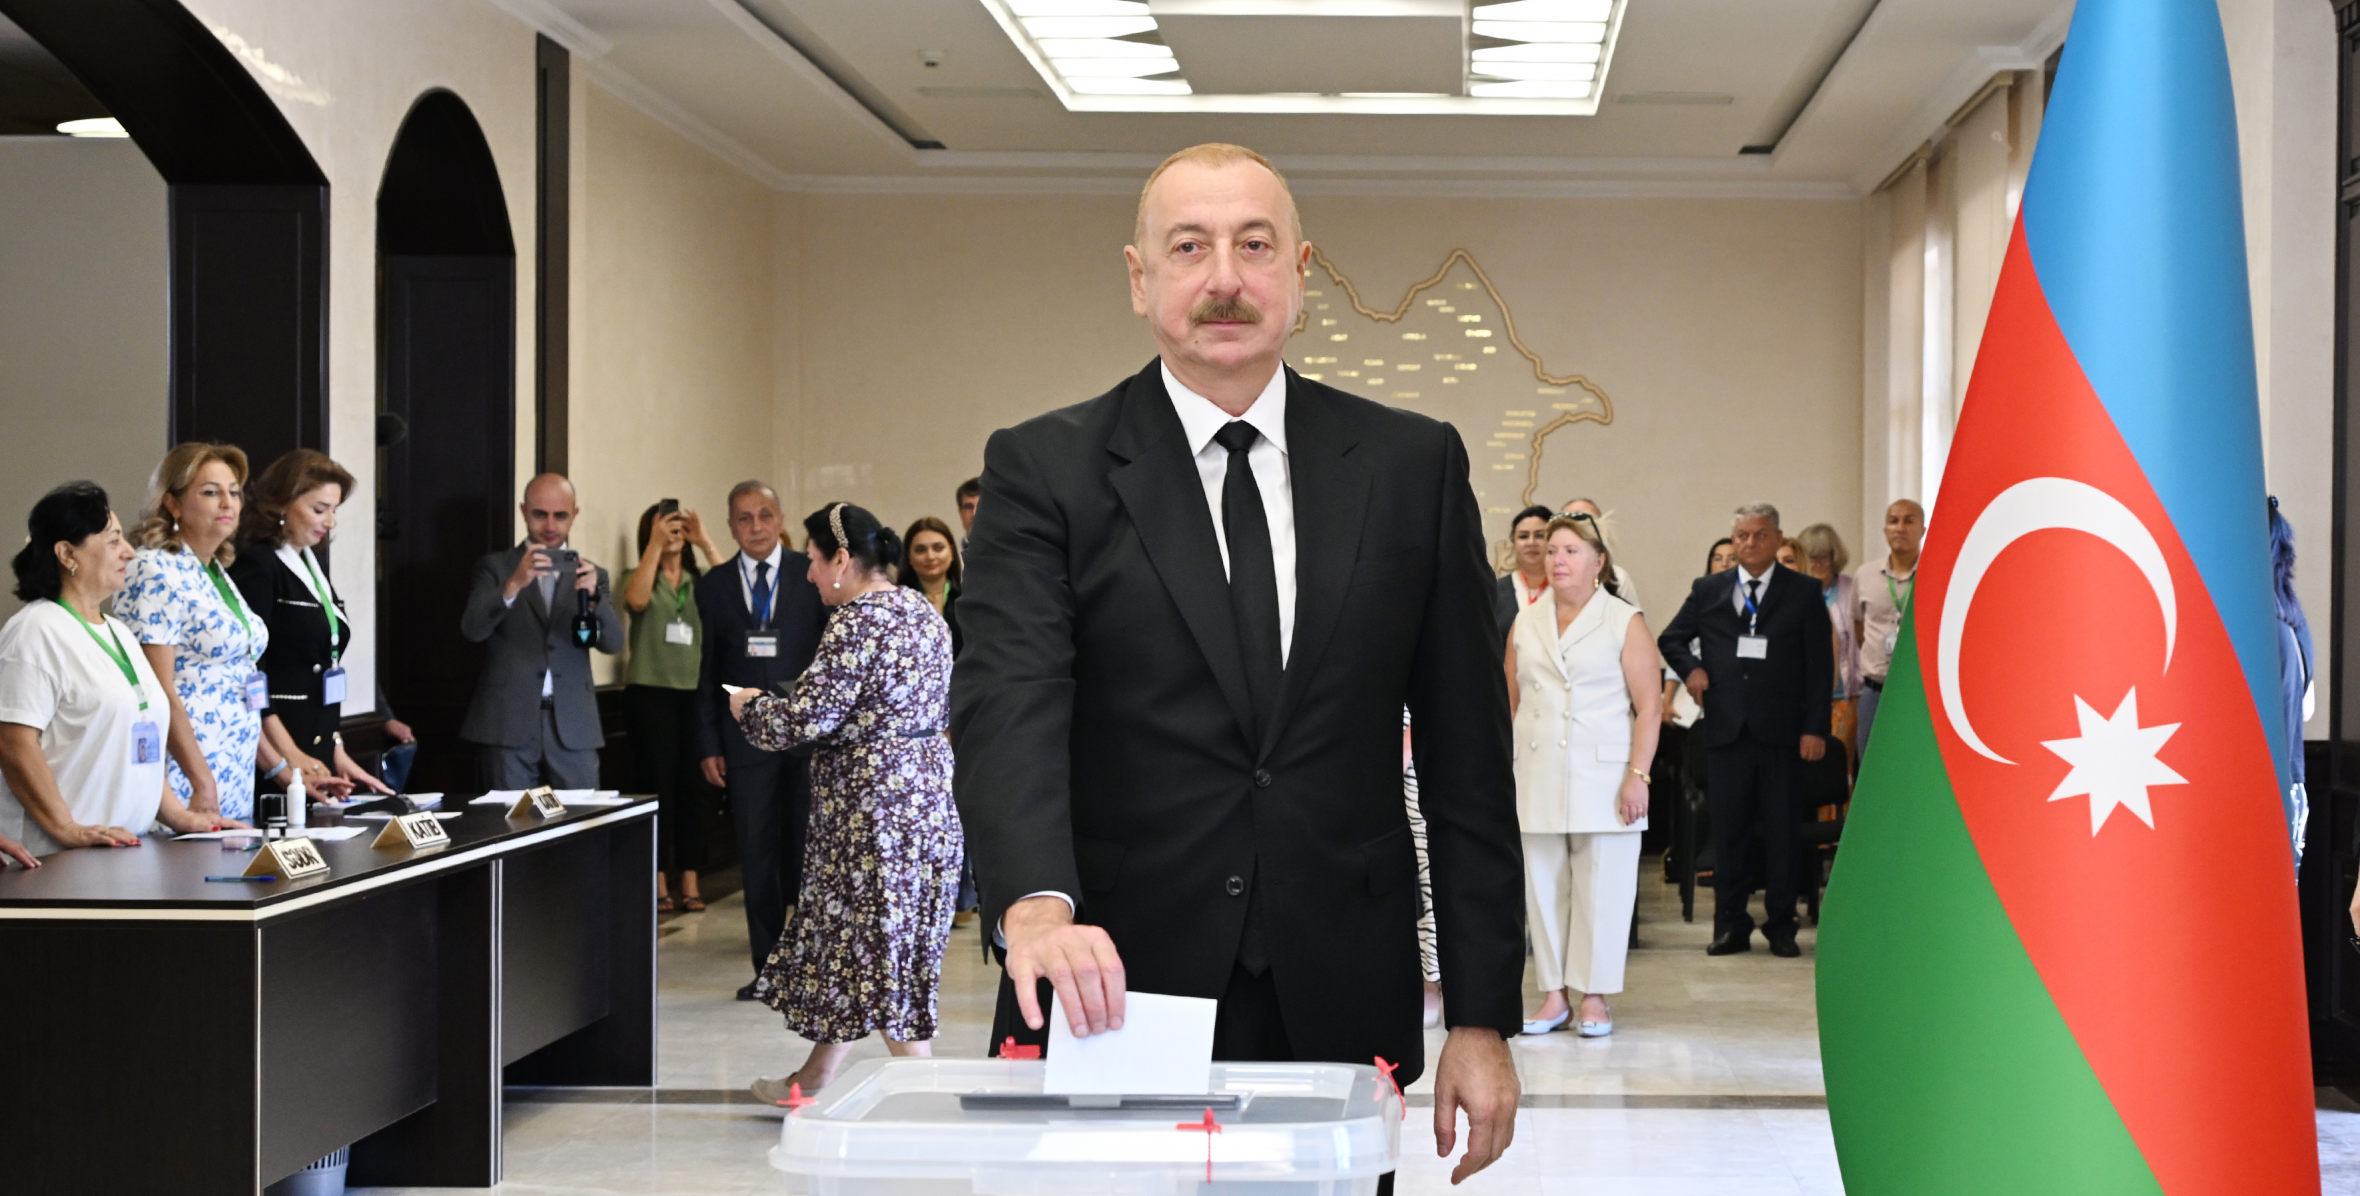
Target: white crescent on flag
x=2033 y=505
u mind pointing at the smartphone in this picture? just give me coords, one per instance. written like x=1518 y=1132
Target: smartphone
x=668 y=507
x=563 y=562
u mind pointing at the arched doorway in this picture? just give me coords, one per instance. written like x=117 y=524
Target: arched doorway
x=446 y=312
x=248 y=259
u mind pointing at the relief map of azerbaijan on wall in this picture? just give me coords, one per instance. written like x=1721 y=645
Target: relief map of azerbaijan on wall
x=1449 y=349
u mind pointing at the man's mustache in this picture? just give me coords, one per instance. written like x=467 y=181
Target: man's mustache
x=1236 y=309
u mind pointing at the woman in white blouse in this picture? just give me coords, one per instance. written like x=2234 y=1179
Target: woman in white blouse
x=81 y=714
x=1582 y=672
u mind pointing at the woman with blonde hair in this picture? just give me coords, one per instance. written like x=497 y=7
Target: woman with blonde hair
x=199 y=636
x=1822 y=554
x=1582 y=676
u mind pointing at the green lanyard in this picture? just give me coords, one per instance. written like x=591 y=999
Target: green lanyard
x=114 y=651
x=680 y=598
x=1901 y=607
x=229 y=598
x=319 y=590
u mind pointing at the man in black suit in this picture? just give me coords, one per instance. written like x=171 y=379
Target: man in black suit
x=1179 y=720
x=1766 y=682
x=762 y=620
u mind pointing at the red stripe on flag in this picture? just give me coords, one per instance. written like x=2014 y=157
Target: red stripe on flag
x=2172 y=950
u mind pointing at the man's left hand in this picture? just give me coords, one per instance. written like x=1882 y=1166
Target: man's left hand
x=1814 y=747
x=1477 y=1074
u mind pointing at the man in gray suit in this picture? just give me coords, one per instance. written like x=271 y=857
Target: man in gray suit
x=535 y=712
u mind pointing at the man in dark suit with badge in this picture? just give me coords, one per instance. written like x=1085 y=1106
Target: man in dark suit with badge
x=762 y=620
x=1766 y=681
x=1201 y=601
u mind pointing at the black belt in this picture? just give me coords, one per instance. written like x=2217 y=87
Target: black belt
x=1875 y=683
x=928 y=733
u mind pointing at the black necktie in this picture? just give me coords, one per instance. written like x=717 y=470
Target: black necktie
x=762 y=593
x=1253 y=575
x=1753 y=604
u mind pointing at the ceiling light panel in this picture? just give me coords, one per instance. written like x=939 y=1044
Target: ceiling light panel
x=1518 y=57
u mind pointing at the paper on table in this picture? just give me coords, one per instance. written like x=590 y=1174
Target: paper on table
x=199 y=836
x=1165 y=1048
x=331 y=834
x=498 y=797
x=382 y=816
x=592 y=797
x=424 y=801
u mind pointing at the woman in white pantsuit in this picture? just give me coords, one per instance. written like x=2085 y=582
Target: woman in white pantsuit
x=1582 y=673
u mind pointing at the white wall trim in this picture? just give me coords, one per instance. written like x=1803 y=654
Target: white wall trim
x=552 y=21
x=1432 y=188
x=1972 y=72
x=779 y=48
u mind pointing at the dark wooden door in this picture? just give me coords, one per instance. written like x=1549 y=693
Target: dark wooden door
x=446 y=461
x=2332 y=840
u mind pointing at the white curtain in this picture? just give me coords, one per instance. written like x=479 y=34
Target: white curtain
x=1937 y=233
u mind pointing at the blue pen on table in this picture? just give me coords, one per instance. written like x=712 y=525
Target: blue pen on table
x=255 y=879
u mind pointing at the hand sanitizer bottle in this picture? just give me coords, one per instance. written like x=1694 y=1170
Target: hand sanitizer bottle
x=295 y=803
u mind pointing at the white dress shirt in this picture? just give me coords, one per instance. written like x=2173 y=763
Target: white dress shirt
x=1761 y=595
x=778 y=553
x=547 y=584
x=1200 y=421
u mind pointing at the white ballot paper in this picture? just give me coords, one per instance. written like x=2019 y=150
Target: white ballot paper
x=498 y=797
x=1165 y=1048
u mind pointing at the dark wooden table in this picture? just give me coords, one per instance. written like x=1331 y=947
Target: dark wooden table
x=159 y=1033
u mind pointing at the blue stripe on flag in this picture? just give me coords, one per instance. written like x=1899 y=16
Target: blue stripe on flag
x=2135 y=223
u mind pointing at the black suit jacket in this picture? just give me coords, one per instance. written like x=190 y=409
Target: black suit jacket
x=300 y=653
x=1778 y=699
x=1105 y=738
x=796 y=615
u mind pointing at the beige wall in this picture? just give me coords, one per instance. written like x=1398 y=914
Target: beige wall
x=1727 y=332
x=674 y=329
x=82 y=350
x=345 y=73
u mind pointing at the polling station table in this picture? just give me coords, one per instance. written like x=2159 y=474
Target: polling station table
x=162 y=1033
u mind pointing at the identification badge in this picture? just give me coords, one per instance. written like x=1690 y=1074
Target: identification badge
x=761 y=647
x=332 y=686
x=1753 y=647
x=679 y=632
x=147 y=742
x=257 y=690
x=1892 y=642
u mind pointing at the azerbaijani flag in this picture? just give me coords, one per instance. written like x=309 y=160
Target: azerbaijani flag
x=2061 y=951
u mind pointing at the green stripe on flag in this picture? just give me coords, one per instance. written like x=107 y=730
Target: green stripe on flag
x=1949 y=1069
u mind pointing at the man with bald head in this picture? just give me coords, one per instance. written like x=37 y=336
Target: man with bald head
x=1201 y=601
x=535 y=712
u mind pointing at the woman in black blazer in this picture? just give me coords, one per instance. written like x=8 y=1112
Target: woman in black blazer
x=1528 y=582
x=932 y=569
x=290 y=511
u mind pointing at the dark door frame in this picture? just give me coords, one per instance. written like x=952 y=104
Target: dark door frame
x=248 y=305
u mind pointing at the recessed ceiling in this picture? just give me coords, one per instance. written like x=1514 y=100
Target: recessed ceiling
x=37 y=92
x=1802 y=92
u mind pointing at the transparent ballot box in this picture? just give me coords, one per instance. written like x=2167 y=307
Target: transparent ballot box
x=954 y=1127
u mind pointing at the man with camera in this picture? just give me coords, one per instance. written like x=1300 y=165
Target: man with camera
x=535 y=710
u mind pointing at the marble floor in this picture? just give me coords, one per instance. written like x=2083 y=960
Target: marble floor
x=1709 y=1085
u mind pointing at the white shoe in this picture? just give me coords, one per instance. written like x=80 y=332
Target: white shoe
x=1543 y=1026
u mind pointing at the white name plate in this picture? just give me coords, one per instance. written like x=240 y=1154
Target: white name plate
x=538 y=803
x=415 y=831
x=287 y=859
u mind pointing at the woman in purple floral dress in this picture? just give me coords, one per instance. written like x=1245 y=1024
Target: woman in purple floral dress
x=863 y=951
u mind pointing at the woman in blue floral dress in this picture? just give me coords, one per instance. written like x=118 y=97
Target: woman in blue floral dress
x=195 y=628
x=863 y=951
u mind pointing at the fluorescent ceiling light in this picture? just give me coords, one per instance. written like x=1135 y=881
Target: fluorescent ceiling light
x=1078 y=8
x=1527 y=57
x=1531 y=89
x=1546 y=10
x=1538 y=31
x=1116 y=68
x=1129 y=87
x=1047 y=27
x=1101 y=47
x=1538 y=52
x=100 y=126
x=1581 y=71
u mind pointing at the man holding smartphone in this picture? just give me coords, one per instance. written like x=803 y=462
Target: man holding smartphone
x=535 y=710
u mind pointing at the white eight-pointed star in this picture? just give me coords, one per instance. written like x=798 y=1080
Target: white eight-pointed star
x=2114 y=761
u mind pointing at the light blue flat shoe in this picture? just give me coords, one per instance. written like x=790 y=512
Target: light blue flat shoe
x=1596 y=1029
x=1547 y=1025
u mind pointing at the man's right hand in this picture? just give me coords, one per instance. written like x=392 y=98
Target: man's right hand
x=1079 y=961
x=531 y=565
x=1697 y=684
x=716 y=771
